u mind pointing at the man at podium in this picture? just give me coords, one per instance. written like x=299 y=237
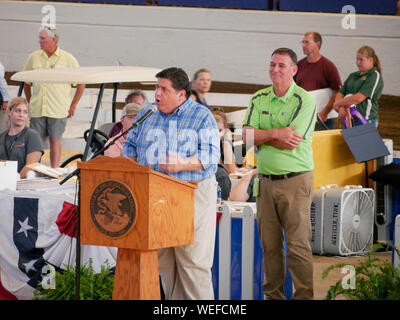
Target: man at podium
x=181 y=139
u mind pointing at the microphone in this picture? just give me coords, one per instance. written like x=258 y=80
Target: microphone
x=151 y=110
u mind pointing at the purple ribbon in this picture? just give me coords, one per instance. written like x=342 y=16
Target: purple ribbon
x=354 y=112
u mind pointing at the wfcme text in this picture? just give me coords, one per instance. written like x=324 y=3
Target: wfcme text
x=201 y=309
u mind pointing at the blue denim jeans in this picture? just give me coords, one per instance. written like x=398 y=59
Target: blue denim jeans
x=357 y=122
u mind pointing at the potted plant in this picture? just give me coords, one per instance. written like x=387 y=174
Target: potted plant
x=93 y=286
x=374 y=279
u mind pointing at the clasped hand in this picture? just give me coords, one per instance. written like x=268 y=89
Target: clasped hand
x=286 y=138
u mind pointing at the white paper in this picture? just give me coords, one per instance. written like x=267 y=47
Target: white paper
x=9 y=175
x=322 y=97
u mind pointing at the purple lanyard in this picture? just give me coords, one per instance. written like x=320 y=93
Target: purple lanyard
x=354 y=112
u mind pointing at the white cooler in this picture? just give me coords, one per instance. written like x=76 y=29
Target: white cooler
x=238 y=272
x=396 y=260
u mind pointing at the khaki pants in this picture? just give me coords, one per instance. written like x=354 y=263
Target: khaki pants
x=186 y=270
x=284 y=205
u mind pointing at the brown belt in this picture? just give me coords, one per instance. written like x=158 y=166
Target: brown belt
x=282 y=176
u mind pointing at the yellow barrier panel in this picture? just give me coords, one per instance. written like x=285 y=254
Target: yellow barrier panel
x=334 y=163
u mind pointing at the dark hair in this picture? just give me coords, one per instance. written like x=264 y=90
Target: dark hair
x=178 y=77
x=287 y=51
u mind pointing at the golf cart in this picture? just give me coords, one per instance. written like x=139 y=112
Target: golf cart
x=103 y=75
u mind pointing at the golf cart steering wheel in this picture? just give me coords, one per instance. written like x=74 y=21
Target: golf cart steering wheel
x=99 y=139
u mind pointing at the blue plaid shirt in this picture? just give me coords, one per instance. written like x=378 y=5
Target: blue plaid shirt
x=190 y=131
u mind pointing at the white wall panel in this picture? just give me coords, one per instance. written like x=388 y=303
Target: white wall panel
x=234 y=44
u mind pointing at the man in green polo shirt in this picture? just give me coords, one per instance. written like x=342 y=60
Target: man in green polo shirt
x=280 y=120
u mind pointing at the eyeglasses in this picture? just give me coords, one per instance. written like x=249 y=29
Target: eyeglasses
x=306 y=42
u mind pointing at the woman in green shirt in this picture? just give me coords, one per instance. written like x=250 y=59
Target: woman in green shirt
x=362 y=88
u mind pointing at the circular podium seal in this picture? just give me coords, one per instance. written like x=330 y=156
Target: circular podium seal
x=113 y=208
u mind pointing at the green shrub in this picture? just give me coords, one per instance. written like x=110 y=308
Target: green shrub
x=93 y=286
x=374 y=280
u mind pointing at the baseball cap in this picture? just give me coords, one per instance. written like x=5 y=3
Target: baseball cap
x=131 y=109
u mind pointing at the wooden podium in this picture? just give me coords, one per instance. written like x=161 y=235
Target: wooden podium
x=129 y=206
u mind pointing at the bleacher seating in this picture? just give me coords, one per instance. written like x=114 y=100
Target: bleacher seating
x=140 y=2
x=361 y=6
x=236 y=4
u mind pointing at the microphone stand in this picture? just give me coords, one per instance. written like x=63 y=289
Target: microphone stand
x=76 y=173
x=97 y=153
x=105 y=147
x=78 y=213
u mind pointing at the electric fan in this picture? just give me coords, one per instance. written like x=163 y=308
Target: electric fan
x=317 y=220
x=348 y=220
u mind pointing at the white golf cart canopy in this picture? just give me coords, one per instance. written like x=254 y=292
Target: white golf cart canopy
x=90 y=75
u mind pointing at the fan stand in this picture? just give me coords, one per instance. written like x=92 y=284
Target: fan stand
x=365 y=144
x=349 y=121
x=366 y=174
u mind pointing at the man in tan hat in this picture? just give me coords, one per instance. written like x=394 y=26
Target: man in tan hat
x=128 y=116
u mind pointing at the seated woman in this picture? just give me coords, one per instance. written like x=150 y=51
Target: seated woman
x=129 y=113
x=20 y=143
x=243 y=190
x=362 y=88
x=227 y=156
x=250 y=159
x=223 y=181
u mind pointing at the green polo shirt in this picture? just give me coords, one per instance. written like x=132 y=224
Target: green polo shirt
x=370 y=84
x=295 y=108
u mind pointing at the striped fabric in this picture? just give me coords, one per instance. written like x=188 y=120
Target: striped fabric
x=189 y=131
